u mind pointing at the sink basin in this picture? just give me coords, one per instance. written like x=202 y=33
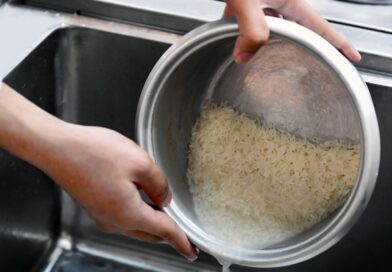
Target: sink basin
x=88 y=77
x=92 y=76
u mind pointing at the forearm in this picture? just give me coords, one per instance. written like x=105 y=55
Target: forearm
x=96 y=166
x=27 y=131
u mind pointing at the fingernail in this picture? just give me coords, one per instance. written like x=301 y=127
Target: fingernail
x=243 y=57
x=167 y=200
x=353 y=55
x=357 y=56
x=191 y=258
x=194 y=255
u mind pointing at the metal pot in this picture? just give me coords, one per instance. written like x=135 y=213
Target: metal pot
x=200 y=66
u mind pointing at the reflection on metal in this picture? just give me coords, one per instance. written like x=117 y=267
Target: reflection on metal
x=142 y=259
x=168 y=14
x=282 y=86
x=376 y=17
x=376 y=79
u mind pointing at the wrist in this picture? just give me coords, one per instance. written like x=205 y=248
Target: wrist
x=27 y=131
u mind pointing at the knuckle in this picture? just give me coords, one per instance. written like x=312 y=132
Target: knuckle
x=137 y=221
x=345 y=46
x=256 y=37
x=144 y=165
x=163 y=190
x=166 y=234
x=166 y=231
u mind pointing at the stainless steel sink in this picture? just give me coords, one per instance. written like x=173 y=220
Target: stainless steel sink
x=91 y=72
x=92 y=77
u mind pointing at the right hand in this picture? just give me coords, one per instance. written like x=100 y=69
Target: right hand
x=101 y=169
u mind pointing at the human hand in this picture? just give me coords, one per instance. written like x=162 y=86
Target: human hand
x=254 y=30
x=101 y=169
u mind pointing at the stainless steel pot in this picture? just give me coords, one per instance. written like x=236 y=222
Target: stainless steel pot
x=200 y=67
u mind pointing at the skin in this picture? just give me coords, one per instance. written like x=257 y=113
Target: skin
x=103 y=170
x=254 y=31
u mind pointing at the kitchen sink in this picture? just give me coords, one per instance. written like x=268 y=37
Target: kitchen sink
x=88 y=77
x=91 y=72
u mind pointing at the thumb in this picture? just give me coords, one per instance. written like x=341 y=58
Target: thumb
x=153 y=182
x=253 y=28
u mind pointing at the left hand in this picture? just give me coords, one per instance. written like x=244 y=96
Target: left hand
x=254 y=30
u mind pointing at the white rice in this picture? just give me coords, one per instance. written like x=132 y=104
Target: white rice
x=255 y=186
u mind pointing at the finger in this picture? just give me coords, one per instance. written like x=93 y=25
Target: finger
x=155 y=185
x=136 y=234
x=160 y=224
x=228 y=12
x=272 y=12
x=304 y=14
x=143 y=236
x=253 y=28
x=153 y=182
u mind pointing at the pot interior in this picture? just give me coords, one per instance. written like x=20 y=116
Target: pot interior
x=284 y=85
